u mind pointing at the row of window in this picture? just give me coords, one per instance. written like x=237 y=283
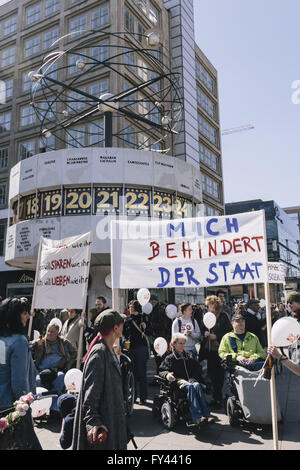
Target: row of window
x=206 y=129
x=210 y=186
x=149 y=10
x=204 y=76
x=208 y=157
x=42 y=9
x=206 y=103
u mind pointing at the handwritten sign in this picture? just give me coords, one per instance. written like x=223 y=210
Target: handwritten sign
x=276 y=273
x=63 y=271
x=192 y=252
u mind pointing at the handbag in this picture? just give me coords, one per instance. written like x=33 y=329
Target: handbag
x=144 y=336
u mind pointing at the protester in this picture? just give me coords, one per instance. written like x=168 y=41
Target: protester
x=210 y=346
x=100 y=306
x=243 y=347
x=66 y=404
x=293 y=301
x=64 y=316
x=136 y=329
x=160 y=326
x=72 y=327
x=100 y=405
x=282 y=310
x=187 y=325
x=254 y=322
x=180 y=366
x=53 y=356
x=225 y=308
x=17 y=371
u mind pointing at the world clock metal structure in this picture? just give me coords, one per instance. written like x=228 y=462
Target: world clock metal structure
x=152 y=103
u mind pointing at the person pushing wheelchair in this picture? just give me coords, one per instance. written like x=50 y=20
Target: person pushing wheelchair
x=181 y=367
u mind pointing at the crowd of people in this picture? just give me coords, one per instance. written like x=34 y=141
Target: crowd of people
x=26 y=363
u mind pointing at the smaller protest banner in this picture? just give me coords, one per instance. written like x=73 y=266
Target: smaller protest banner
x=276 y=273
x=62 y=272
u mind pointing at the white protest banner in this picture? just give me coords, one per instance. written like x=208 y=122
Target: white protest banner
x=62 y=272
x=276 y=273
x=198 y=252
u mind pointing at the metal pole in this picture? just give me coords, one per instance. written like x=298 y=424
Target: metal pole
x=108 y=128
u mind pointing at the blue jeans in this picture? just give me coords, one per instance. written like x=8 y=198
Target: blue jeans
x=197 y=402
x=139 y=357
x=58 y=386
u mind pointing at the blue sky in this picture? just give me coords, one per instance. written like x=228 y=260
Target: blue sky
x=255 y=47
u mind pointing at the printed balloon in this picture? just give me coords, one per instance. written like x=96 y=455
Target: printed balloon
x=73 y=379
x=41 y=407
x=143 y=296
x=285 y=332
x=160 y=346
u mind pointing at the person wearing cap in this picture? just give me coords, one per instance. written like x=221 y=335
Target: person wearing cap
x=293 y=301
x=244 y=347
x=254 y=324
x=100 y=405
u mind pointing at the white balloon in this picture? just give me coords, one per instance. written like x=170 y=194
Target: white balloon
x=209 y=320
x=40 y=407
x=171 y=311
x=36 y=335
x=262 y=303
x=160 y=346
x=285 y=332
x=143 y=296
x=72 y=380
x=56 y=321
x=147 y=309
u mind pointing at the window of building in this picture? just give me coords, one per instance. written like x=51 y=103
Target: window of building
x=2 y=236
x=98 y=88
x=207 y=130
x=141 y=32
x=206 y=103
x=210 y=211
x=51 y=6
x=210 y=186
x=142 y=69
x=129 y=135
x=26 y=149
x=75 y=137
x=100 y=16
x=96 y=132
x=73 y=58
x=204 y=76
x=49 y=37
x=32 y=46
x=8 y=56
x=208 y=157
x=78 y=25
x=128 y=20
x=129 y=58
x=2 y=194
x=153 y=14
x=100 y=53
x=27 y=115
x=6 y=90
x=9 y=25
x=33 y=13
x=46 y=145
x=3 y=157
x=5 y=119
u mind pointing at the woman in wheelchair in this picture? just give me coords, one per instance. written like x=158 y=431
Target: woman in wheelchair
x=181 y=367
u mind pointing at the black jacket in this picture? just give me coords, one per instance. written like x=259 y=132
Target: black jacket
x=183 y=367
x=161 y=325
x=254 y=325
x=132 y=333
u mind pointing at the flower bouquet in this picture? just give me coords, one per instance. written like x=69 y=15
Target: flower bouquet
x=15 y=426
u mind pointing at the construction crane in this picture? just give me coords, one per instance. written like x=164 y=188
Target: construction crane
x=238 y=129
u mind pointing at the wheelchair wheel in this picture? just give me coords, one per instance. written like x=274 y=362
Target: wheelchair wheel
x=167 y=415
x=129 y=393
x=231 y=412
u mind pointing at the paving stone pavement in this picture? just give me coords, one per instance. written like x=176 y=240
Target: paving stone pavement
x=150 y=434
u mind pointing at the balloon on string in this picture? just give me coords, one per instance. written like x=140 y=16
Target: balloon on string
x=262 y=303
x=36 y=335
x=209 y=320
x=171 y=311
x=285 y=332
x=147 y=309
x=72 y=380
x=143 y=296
x=56 y=321
x=160 y=346
x=41 y=407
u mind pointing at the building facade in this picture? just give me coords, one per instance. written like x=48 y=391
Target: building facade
x=38 y=183
x=282 y=240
